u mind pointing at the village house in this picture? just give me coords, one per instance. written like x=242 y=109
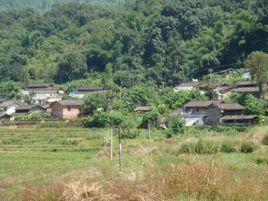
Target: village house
x=223 y=91
x=249 y=90
x=217 y=111
x=186 y=86
x=195 y=112
x=66 y=109
x=28 y=109
x=43 y=93
x=8 y=107
x=83 y=91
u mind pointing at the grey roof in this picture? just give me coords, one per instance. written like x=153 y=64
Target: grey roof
x=239 y=117
x=246 y=90
x=200 y=104
x=142 y=109
x=27 y=107
x=188 y=84
x=71 y=102
x=44 y=85
x=89 y=89
x=3 y=100
x=194 y=115
x=246 y=83
x=230 y=106
x=6 y=104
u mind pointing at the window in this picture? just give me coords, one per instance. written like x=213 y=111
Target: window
x=69 y=108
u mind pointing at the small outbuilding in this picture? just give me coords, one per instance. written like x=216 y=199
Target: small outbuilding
x=66 y=109
x=239 y=120
x=28 y=109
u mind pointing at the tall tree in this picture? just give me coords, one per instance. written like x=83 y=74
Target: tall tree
x=257 y=62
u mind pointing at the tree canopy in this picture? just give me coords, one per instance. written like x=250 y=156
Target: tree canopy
x=129 y=42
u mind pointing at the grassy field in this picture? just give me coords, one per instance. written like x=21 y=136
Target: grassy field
x=33 y=157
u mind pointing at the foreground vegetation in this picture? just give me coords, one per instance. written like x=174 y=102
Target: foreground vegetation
x=74 y=164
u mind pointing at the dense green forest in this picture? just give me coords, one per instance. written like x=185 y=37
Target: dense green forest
x=131 y=42
x=43 y=5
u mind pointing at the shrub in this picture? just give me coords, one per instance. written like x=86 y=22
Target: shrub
x=265 y=140
x=207 y=147
x=228 y=147
x=248 y=147
x=176 y=126
x=151 y=117
x=99 y=120
x=130 y=133
x=262 y=160
x=188 y=148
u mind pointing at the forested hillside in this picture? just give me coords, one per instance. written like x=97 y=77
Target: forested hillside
x=158 y=40
x=43 y=5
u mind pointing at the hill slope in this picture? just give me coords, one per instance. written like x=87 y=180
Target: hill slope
x=148 y=40
x=45 y=4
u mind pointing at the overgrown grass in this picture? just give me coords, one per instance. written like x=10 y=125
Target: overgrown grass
x=75 y=159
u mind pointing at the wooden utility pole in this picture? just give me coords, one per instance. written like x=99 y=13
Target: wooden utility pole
x=149 y=138
x=120 y=151
x=111 y=142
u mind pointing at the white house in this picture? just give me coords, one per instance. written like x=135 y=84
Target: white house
x=82 y=92
x=42 y=93
x=8 y=107
x=186 y=86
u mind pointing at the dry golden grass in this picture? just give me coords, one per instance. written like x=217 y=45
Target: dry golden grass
x=190 y=181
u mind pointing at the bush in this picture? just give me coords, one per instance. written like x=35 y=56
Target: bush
x=228 y=147
x=99 y=120
x=188 y=148
x=207 y=147
x=262 y=160
x=248 y=147
x=130 y=133
x=151 y=117
x=176 y=126
x=265 y=140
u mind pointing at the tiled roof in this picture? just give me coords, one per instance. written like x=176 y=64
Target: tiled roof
x=199 y=104
x=143 y=108
x=89 y=89
x=239 y=117
x=45 y=85
x=188 y=84
x=71 y=102
x=246 y=83
x=230 y=106
x=246 y=90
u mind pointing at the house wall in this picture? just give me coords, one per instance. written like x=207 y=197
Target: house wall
x=213 y=115
x=57 y=110
x=72 y=114
x=197 y=111
x=62 y=112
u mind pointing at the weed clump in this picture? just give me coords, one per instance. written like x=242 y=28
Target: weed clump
x=262 y=160
x=188 y=148
x=207 y=147
x=248 y=147
x=265 y=140
x=228 y=147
